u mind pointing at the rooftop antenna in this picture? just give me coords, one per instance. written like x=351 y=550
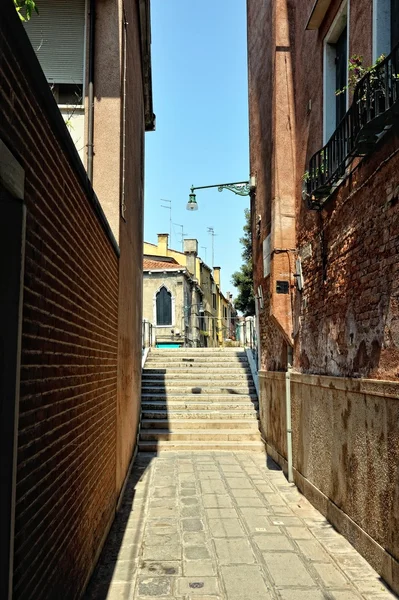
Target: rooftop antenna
x=212 y=233
x=169 y=208
x=183 y=235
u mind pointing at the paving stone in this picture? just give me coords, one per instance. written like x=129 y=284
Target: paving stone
x=234 y=551
x=330 y=575
x=187 y=484
x=195 y=552
x=239 y=482
x=249 y=501
x=299 y=533
x=155 y=540
x=192 y=524
x=159 y=513
x=197 y=586
x=206 y=475
x=189 y=511
x=164 y=492
x=244 y=493
x=163 y=503
x=313 y=551
x=213 y=487
x=260 y=524
x=197 y=568
x=372 y=586
x=160 y=568
x=245 y=583
x=286 y=521
x=274 y=499
x=216 y=501
x=171 y=552
x=190 y=501
x=162 y=526
x=221 y=513
x=309 y=594
x=194 y=538
x=287 y=569
x=154 y=586
x=114 y=591
x=337 y=545
x=272 y=542
x=225 y=528
x=188 y=492
x=345 y=595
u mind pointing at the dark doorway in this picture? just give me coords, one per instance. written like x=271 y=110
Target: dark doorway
x=12 y=237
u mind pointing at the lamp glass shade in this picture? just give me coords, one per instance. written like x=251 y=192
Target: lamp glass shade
x=192 y=203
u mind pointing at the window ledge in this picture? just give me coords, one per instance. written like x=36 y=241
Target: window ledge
x=318 y=13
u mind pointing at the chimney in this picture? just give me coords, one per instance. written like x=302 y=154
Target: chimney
x=163 y=239
x=216 y=275
x=191 y=252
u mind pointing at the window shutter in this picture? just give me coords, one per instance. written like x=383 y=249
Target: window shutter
x=57 y=36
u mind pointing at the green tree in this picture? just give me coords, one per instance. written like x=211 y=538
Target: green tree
x=25 y=8
x=243 y=279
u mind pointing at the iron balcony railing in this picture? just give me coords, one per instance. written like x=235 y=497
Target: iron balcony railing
x=375 y=107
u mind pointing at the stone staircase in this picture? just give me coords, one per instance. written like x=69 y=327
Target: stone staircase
x=198 y=399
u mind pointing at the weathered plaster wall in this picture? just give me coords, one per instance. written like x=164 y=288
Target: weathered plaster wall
x=131 y=228
x=345 y=455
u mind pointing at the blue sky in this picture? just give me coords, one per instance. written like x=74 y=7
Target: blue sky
x=199 y=69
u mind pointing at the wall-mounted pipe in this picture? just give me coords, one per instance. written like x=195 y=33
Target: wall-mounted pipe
x=90 y=116
x=288 y=415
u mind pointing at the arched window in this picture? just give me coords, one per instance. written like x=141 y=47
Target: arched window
x=164 y=307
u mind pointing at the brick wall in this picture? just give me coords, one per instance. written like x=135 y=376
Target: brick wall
x=346 y=322
x=66 y=447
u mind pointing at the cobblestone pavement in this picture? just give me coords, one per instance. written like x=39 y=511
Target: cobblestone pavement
x=225 y=526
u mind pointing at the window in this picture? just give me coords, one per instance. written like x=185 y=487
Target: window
x=335 y=72
x=164 y=307
x=214 y=300
x=385 y=26
x=57 y=36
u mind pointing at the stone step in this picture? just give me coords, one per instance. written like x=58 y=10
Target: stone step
x=210 y=398
x=198 y=405
x=198 y=370
x=200 y=424
x=209 y=415
x=195 y=351
x=202 y=446
x=182 y=376
x=227 y=435
x=196 y=359
x=196 y=389
x=193 y=383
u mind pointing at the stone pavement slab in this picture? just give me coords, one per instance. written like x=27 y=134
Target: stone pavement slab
x=224 y=526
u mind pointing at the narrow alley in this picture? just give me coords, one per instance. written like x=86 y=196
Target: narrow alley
x=225 y=525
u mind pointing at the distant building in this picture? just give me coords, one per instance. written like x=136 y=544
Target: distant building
x=182 y=297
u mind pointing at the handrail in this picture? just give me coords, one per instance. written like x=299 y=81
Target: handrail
x=375 y=104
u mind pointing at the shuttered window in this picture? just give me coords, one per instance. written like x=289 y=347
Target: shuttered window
x=57 y=36
x=164 y=307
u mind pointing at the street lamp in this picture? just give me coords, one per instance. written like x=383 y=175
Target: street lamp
x=241 y=188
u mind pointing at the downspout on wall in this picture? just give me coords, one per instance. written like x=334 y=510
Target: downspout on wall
x=90 y=128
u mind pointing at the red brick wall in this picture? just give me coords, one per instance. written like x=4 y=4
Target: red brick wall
x=66 y=448
x=346 y=320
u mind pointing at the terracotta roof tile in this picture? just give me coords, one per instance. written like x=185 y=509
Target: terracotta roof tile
x=156 y=265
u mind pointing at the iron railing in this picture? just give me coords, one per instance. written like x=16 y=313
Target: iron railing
x=375 y=106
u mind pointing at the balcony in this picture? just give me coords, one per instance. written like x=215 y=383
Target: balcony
x=374 y=109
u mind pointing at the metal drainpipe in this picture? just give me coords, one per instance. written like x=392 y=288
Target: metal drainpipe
x=90 y=128
x=288 y=415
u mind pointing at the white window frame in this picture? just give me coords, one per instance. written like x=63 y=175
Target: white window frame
x=341 y=21
x=381 y=28
x=155 y=307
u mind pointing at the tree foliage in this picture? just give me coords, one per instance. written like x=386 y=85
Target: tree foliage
x=25 y=8
x=243 y=279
